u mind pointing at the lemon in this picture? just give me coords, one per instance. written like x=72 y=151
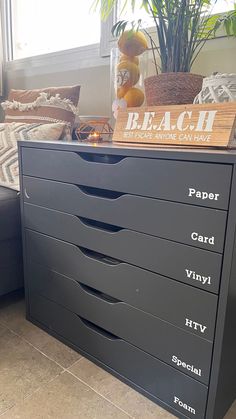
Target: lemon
x=132 y=43
x=134 y=97
x=134 y=59
x=127 y=74
x=121 y=91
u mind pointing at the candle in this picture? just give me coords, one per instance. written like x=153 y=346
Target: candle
x=94 y=136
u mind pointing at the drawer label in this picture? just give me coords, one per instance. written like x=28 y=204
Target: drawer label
x=202 y=239
x=192 y=192
x=184 y=405
x=188 y=367
x=205 y=280
x=195 y=325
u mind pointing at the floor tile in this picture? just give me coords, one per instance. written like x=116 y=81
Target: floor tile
x=12 y=315
x=22 y=369
x=231 y=414
x=117 y=392
x=65 y=398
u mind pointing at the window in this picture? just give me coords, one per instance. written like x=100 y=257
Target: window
x=218 y=6
x=44 y=26
x=223 y=5
x=36 y=27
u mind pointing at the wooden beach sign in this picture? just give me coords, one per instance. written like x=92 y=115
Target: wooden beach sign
x=207 y=125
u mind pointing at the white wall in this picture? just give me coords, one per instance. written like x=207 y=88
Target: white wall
x=218 y=55
x=95 y=85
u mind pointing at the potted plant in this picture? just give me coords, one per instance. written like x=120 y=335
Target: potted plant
x=182 y=28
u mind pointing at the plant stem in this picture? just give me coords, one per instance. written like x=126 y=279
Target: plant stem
x=153 y=47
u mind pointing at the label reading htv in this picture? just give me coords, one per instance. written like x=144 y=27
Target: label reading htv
x=194 y=325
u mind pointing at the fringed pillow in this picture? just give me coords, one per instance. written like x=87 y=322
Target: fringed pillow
x=10 y=134
x=45 y=106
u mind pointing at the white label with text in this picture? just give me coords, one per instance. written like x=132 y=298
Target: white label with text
x=203 y=239
x=150 y=121
x=188 y=367
x=184 y=405
x=192 y=192
x=196 y=326
x=205 y=280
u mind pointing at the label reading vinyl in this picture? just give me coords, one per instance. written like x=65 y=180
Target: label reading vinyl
x=205 y=280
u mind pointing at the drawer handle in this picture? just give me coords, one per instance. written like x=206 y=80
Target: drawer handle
x=99 y=256
x=100 y=158
x=101 y=226
x=100 y=193
x=26 y=194
x=98 y=329
x=99 y=294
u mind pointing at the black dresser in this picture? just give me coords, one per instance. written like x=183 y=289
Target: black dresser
x=129 y=258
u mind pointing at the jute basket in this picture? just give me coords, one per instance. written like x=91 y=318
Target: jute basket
x=172 y=88
x=218 y=88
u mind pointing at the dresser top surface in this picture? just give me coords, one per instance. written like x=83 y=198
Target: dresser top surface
x=172 y=153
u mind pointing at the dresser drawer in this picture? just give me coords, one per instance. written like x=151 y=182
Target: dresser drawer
x=160 y=339
x=140 y=288
x=156 y=378
x=197 y=226
x=161 y=256
x=195 y=183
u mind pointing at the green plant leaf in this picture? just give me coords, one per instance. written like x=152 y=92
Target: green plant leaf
x=182 y=27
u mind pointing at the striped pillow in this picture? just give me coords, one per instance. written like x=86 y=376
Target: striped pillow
x=9 y=135
x=45 y=106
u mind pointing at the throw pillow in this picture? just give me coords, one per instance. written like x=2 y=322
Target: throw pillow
x=50 y=105
x=9 y=135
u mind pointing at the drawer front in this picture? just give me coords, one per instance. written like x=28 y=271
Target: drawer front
x=170 y=300
x=165 y=383
x=160 y=339
x=200 y=227
x=158 y=255
x=195 y=183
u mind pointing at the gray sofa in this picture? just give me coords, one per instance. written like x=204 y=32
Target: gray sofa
x=11 y=270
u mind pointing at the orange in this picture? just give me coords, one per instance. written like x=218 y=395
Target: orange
x=127 y=74
x=132 y=43
x=134 y=97
x=121 y=91
x=134 y=59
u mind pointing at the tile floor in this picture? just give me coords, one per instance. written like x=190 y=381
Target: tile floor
x=40 y=378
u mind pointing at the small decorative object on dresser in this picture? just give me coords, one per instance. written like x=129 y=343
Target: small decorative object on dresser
x=94 y=128
x=131 y=261
x=217 y=88
x=206 y=125
x=128 y=70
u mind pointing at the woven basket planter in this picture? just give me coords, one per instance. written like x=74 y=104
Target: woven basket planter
x=172 y=88
x=218 y=88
